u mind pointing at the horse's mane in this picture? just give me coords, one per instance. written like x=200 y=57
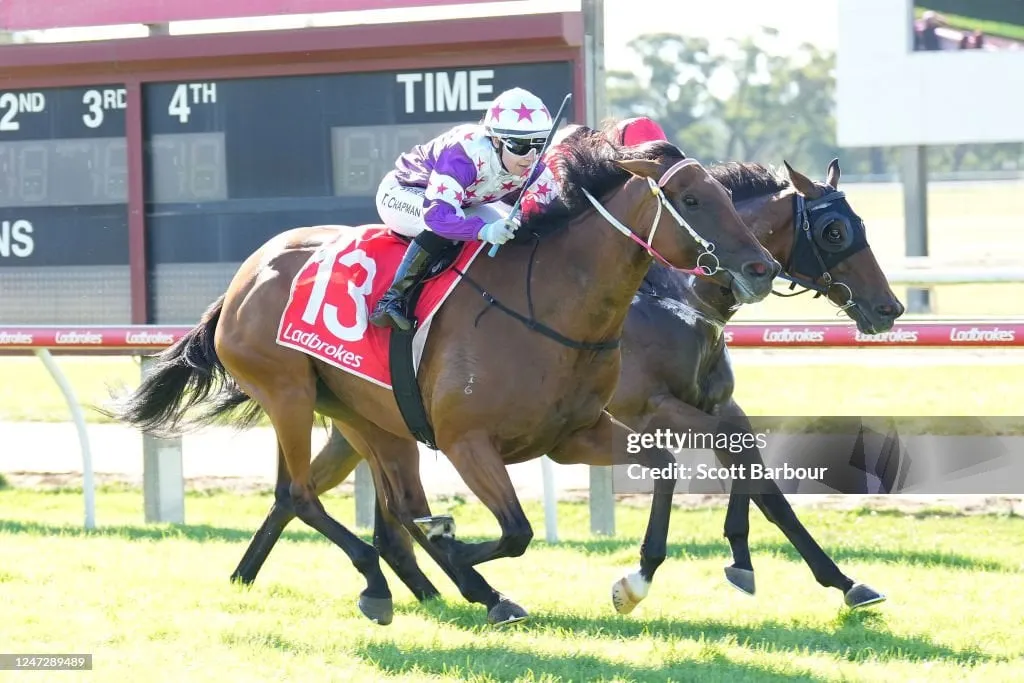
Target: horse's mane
x=748 y=180
x=587 y=161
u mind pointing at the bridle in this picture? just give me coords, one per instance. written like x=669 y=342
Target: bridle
x=663 y=201
x=530 y=320
x=809 y=244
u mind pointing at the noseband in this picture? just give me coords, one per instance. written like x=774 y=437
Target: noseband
x=804 y=239
x=656 y=190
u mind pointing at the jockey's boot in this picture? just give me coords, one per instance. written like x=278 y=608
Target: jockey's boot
x=389 y=309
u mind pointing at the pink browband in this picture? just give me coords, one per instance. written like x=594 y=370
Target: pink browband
x=675 y=169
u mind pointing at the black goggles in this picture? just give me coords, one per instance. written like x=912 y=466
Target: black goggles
x=522 y=146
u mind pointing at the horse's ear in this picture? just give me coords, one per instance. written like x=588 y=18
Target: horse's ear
x=802 y=183
x=642 y=167
x=833 y=173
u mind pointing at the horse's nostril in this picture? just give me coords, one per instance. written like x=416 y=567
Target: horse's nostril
x=886 y=310
x=755 y=269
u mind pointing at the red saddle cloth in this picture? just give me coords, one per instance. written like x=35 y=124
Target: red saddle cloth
x=332 y=296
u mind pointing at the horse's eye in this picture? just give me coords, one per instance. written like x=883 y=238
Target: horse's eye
x=834 y=234
x=691 y=202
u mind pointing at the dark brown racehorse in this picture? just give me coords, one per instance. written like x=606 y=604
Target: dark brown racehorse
x=676 y=364
x=537 y=388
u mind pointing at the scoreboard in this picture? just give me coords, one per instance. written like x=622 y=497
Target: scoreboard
x=63 y=205
x=224 y=155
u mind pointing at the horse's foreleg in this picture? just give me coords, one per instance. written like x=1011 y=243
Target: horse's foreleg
x=442 y=547
x=483 y=470
x=737 y=515
x=598 y=446
x=778 y=511
x=737 y=531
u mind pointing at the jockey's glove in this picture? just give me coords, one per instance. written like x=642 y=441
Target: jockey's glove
x=497 y=232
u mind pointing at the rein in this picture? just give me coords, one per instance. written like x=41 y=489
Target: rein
x=531 y=322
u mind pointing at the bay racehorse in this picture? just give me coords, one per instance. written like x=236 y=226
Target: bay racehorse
x=538 y=388
x=676 y=363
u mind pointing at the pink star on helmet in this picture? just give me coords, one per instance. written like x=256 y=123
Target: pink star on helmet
x=496 y=112
x=524 y=112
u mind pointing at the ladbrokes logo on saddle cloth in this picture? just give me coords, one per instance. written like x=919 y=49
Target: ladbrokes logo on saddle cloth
x=331 y=297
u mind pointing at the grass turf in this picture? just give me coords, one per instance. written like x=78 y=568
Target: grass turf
x=152 y=602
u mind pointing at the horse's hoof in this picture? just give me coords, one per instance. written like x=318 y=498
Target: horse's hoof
x=862 y=595
x=379 y=610
x=628 y=591
x=240 y=580
x=741 y=579
x=506 y=612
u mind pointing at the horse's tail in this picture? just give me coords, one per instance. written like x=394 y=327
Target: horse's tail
x=184 y=376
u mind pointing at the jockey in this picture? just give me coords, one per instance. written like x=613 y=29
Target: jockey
x=450 y=189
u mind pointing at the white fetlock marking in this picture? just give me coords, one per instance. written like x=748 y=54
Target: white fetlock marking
x=638 y=586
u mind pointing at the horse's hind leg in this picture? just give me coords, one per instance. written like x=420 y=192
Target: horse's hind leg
x=333 y=465
x=286 y=391
x=262 y=542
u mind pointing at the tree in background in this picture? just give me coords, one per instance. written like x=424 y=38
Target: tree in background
x=747 y=100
